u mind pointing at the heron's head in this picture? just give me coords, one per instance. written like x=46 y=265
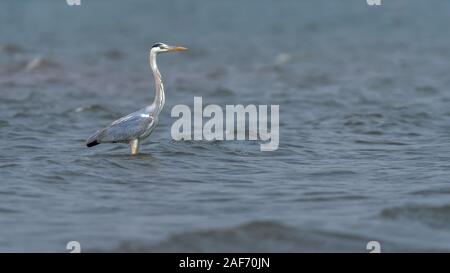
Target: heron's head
x=161 y=48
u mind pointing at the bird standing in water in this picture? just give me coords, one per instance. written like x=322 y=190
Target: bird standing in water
x=137 y=126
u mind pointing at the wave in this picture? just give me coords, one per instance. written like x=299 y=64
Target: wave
x=253 y=236
x=11 y=49
x=434 y=216
x=41 y=63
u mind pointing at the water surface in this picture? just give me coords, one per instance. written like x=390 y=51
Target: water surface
x=364 y=126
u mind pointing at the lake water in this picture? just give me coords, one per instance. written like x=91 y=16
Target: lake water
x=364 y=126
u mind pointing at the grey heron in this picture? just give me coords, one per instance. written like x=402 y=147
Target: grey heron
x=137 y=126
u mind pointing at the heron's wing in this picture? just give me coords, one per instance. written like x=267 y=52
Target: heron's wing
x=122 y=130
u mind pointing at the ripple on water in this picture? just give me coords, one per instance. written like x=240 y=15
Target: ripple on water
x=222 y=92
x=431 y=192
x=114 y=54
x=11 y=49
x=427 y=89
x=8 y=210
x=380 y=142
x=8 y=165
x=434 y=216
x=239 y=148
x=3 y=124
x=332 y=173
x=94 y=108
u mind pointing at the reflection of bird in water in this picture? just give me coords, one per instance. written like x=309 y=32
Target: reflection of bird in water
x=138 y=125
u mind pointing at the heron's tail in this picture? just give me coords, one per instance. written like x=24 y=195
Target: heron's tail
x=92 y=143
x=93 y=140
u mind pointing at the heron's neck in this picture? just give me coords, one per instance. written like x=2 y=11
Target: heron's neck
x=159 y=87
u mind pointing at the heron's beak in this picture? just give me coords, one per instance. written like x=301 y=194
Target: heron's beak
x=177 y=48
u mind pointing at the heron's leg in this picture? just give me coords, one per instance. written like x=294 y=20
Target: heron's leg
x=134 y=144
